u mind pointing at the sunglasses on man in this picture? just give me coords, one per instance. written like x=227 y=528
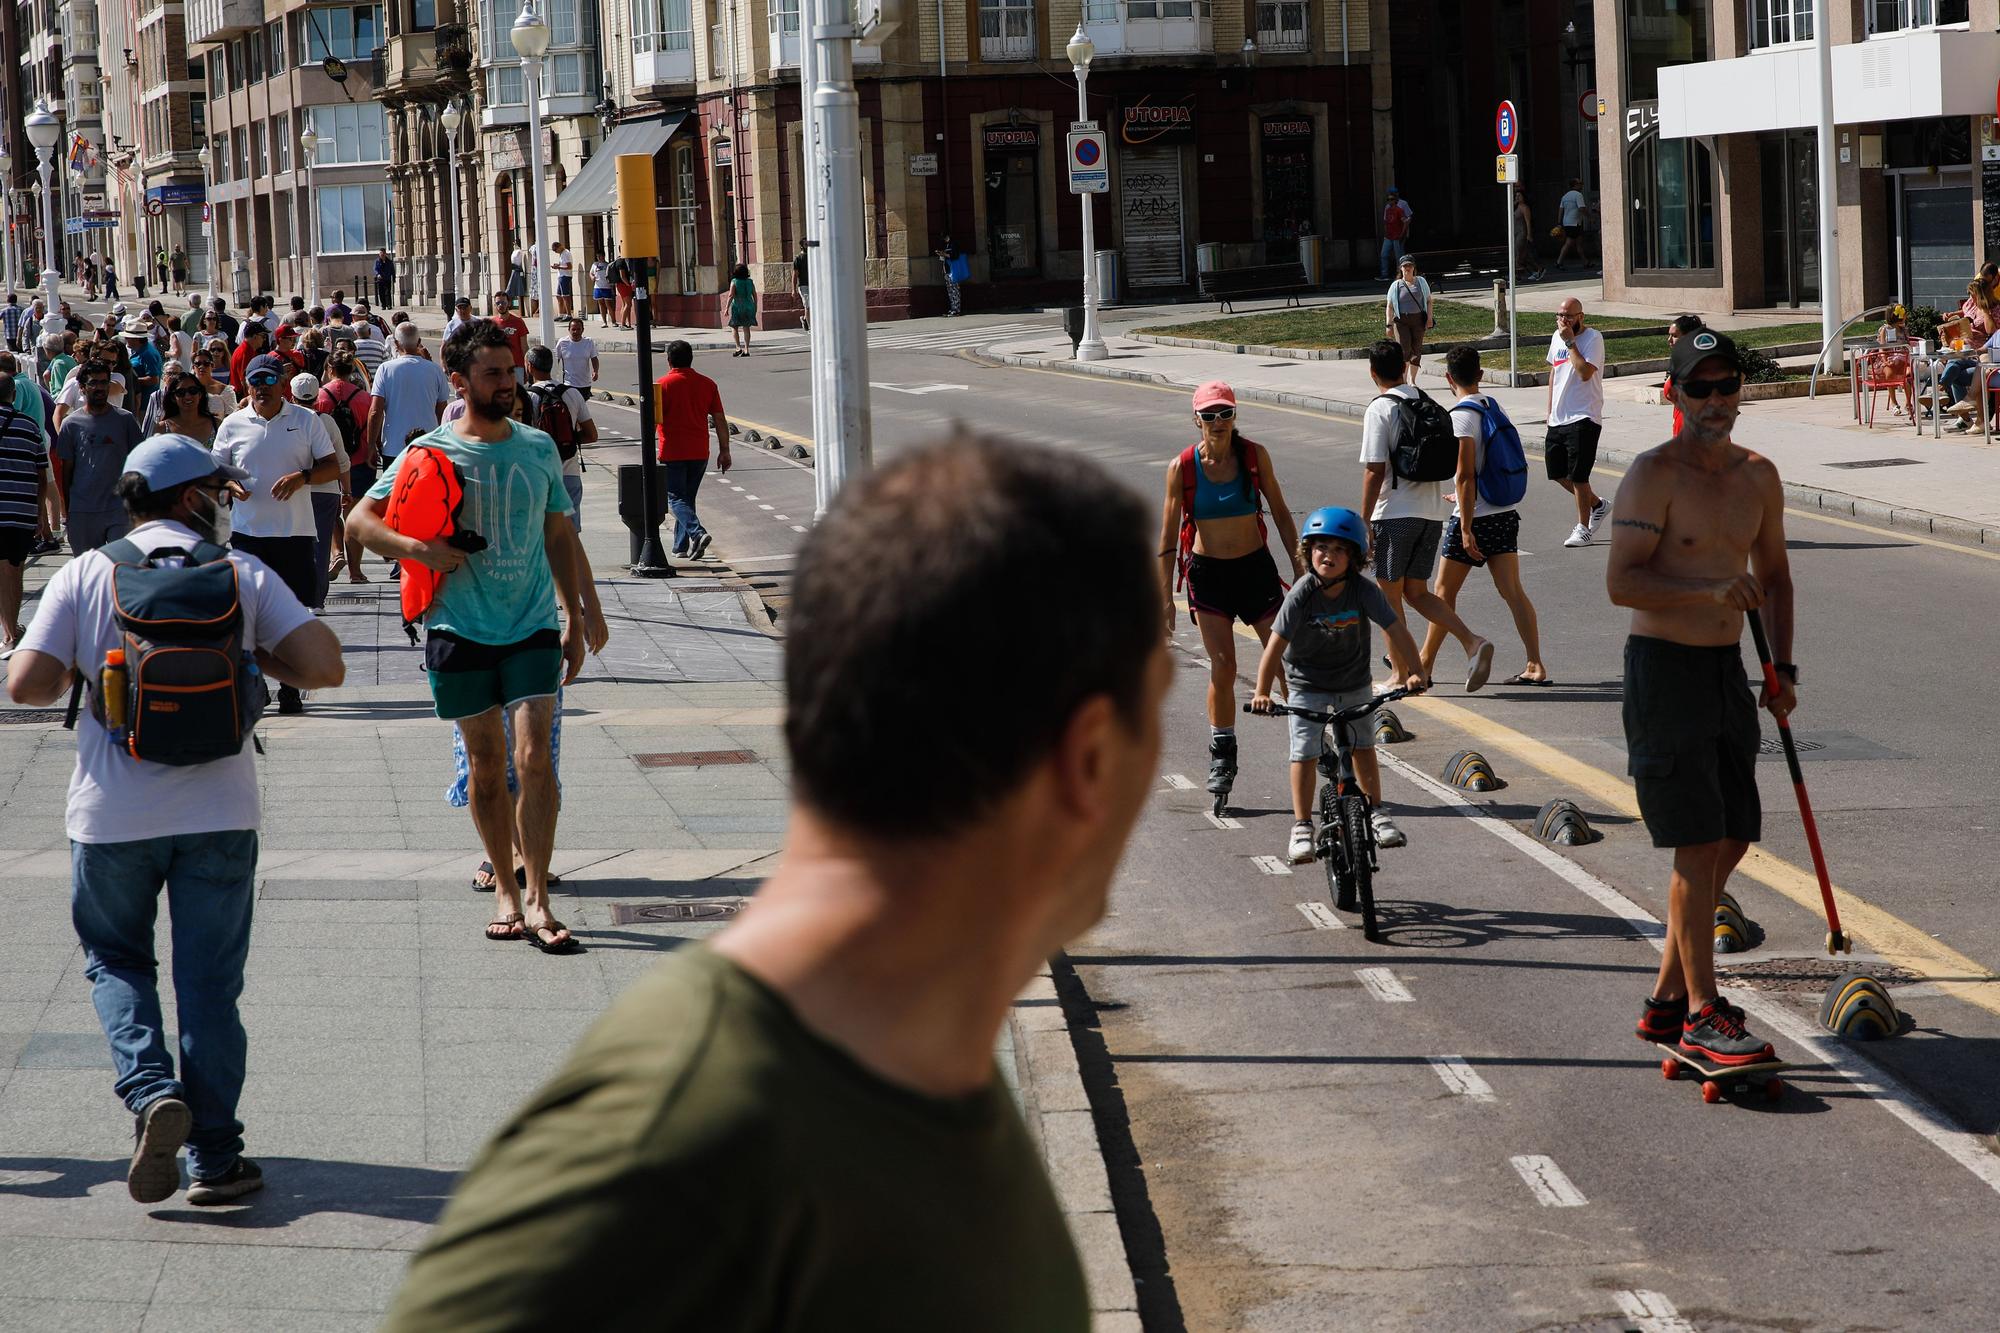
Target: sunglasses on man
x=1217 y=414
x=1699 y=389
x=263 y=379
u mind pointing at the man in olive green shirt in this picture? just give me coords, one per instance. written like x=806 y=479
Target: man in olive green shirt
x=799 y=1124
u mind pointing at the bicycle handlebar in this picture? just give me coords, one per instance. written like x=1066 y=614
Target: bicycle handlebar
x=1354 y=714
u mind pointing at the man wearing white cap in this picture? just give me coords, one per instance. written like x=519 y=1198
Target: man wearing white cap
x=135 y=825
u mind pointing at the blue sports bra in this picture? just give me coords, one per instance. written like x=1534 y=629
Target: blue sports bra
x=1222 y=499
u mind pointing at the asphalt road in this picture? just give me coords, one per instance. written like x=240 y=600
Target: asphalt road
x=1293 y=1151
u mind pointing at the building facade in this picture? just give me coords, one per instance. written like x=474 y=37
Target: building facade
x=426 y=65
x=1711 y=185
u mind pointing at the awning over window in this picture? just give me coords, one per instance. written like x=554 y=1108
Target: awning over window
x=595 y=189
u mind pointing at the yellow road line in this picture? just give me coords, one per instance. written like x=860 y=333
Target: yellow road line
x=1887 y=934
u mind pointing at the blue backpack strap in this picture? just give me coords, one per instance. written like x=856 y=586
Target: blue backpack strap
x=206 y=553
x=123 y=552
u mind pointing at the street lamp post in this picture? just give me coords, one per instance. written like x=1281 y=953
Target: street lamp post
x=208 y=212
x=451 y=117
x=308 y=151
x=530 y=36
x=7 y=214
x=43 y=131
x=1091 y=348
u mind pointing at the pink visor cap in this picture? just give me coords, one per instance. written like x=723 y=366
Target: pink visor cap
x=1214 y=394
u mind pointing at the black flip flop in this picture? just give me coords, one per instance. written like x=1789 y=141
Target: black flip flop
x=1525 y=679
x=520 y=878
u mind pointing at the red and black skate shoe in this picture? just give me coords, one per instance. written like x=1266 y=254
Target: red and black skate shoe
x=1662 y=1020
x=1716 y=1035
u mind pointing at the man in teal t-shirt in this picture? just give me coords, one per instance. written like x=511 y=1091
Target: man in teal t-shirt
x=493 y=647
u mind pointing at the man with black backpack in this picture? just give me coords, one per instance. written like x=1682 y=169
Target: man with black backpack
x=1409 y=450
x=175 y=804
x=560 y=412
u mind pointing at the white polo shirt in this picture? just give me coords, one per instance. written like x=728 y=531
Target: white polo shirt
x=574 y=355
x=291 y=441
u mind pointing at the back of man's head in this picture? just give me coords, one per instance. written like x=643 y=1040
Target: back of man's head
x=941 y=640
x=1386 y=362
x=1461 y=366
x=541 y=361
x=680 y=354
x=408 y=337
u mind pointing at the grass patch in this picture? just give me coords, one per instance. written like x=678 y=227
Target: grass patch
x=1653 y=349
x=1359 y=323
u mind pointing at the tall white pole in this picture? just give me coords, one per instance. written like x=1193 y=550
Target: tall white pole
x=453 y=275
x=47 y=171
x=1091 y=347
x=838 y=288
x=208 y=207
x=1829 y=234
x=312 y=237
x=819 y=328
x=7 y=220
x=538 y=253
x=1513 y=295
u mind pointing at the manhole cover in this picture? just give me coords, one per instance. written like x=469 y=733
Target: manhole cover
x=1816 y=746
x=694 y=909
x=21 y=717
x=1878 y=462
x=1803 y=976
x=693 y=758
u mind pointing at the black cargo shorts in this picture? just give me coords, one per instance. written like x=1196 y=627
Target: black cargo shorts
x=1691 y=734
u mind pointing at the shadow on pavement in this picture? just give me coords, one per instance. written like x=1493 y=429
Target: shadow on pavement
x=294 y=1188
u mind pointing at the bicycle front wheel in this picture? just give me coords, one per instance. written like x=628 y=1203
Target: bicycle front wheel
x=1333 y=853
x=1355 y=833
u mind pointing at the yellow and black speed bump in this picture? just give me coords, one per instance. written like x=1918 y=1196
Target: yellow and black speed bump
x=1469 y=769
x=1735 y=932
x=1560 y=821
x=1858 y=1006
x=1389 y=728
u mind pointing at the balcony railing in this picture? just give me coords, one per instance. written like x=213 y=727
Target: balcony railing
x=652 y=69
x=1006 y=30
x=210 y=19
x=1149 y=27
x=1282 y=27
x=410 y=60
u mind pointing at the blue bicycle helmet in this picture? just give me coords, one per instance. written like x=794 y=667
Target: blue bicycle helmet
x=1333 y=521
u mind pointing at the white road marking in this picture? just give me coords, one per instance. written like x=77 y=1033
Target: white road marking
x=796 y=527
x=782 y=518
x=1220 y=821
x=917 y=389
x=1321 y=916
x=1383 y=985
x=767 y=507
x=1178 y=781
x=1271 y=865
x=1459 y=1077
x=1970 y=1151
x=1650 y=1312
x=748 y=496
x=1552 y=1188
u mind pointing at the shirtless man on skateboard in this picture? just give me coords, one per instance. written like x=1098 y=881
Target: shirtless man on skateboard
x=1698 y=539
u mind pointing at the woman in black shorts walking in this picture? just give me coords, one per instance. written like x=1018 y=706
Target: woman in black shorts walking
x=1213 y=539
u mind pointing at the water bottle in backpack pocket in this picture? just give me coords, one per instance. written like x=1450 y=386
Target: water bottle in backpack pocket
x=1503 y=465
x=190 y=692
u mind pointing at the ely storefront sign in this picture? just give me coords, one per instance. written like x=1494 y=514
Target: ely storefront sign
x=1146 y=121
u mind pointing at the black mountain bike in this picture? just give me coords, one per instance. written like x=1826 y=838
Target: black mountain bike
x=1346 y=835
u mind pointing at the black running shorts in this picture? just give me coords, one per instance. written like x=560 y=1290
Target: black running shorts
x=1691 y=734
x=1246 y=588
x=1570 y=450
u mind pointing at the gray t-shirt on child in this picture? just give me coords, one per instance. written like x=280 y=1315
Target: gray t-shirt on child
x=1328 y=636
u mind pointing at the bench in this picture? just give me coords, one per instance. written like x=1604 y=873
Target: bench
x=1467 y=263
x=1229 y=285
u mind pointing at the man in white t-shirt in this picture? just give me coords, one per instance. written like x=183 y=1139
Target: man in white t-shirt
x=1406 y=518
x=135 y=825
x=541 y=390
x=578 y=357
x=1480 y=534
x=1576 y=416
x=1572 y=210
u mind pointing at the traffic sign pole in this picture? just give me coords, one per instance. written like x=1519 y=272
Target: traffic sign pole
x=1507 y=132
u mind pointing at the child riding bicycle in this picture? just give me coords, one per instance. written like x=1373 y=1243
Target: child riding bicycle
x=1321 y=633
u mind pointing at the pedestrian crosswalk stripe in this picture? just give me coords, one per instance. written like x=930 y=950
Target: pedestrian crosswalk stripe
x=1321 y=916
x=1384 y=985
x=1270 y=865
x=952 y=339
x=1458 y=1076
x=1650 y=1312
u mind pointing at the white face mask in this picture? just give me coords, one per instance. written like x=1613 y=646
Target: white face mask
x=222 y=525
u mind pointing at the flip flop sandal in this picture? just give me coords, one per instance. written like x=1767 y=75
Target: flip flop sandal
x=1525 y=679
x=511 y=927
x=483 y=879
x=533 y=935
x=521 y=877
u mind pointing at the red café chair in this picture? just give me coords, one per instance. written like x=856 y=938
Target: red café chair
x=1887 y=368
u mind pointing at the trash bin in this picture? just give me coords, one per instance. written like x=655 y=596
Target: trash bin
x=632 y=504
x=1208 y=256
x=1073 y=325
x=1309 y=258
x=1107 y=278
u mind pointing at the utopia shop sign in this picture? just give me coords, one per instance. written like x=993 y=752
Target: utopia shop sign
x=1146 y=121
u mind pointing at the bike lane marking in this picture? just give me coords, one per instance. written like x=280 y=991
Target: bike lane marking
x=1178 y=781
x=1271 y=865
x=1221 y=821
x=1651 y=1312
x=1971 y=1151
x=1459 y=1077
x=1321 y=916
x=1551 y=1187
x=1384 y=985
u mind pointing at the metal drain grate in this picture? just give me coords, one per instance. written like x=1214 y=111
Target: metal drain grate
x=23 y=717
x=1805 y=976
x=1772 y=745
x=693 y=758
x=680 y=913
x=353 y=598
x=1878 y=462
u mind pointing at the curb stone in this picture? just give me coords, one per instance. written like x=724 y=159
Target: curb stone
x=1944 y=526
x=1057 y=1109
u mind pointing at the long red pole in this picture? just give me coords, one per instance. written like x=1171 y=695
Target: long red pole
x=1836 y=938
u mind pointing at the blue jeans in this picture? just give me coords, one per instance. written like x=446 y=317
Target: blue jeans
x=1392 y=257
x=683 y=484
x=114 y=895
x=1957 y=379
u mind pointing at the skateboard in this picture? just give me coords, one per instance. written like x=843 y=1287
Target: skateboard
x=1718 y=1080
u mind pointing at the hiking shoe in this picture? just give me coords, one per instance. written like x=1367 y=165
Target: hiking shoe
x=1578 y=536
x=1599 y=512
x=1662 y=1020
x=699 y=550
x=1221 y=764
x=1301 y=849
x=158 y=1132
x=1386 y=832
x=243 y=1178
x=1716 y=1035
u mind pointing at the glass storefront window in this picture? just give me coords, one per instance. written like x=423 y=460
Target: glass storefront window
x=1672 y=210
x=1661 y=32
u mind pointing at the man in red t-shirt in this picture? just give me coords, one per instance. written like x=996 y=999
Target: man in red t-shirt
x=687 y=405
x=256 y=342
x=517 y=333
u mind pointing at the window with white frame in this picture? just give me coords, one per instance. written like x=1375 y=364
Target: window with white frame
x=351 y=32
x=784 y=19
x=350 y=132
x=1776 y=22
x=281 y=134
x=353 y=219
x=1166 y=9
x=274 y=46
x=1896 y=15
x=1281 y=25
x=260 y=149
x=1100 y=11
x=662 y=25
x=1007 y=29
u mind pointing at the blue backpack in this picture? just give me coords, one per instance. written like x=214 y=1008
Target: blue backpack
x=1503 y=473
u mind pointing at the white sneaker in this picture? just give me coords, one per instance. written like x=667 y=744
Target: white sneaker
x=1301 y=850
x=1386 y=832
x=1598 y=514
x=1578 y=536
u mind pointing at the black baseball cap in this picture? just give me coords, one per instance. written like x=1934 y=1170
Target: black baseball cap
x=1699 y=346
